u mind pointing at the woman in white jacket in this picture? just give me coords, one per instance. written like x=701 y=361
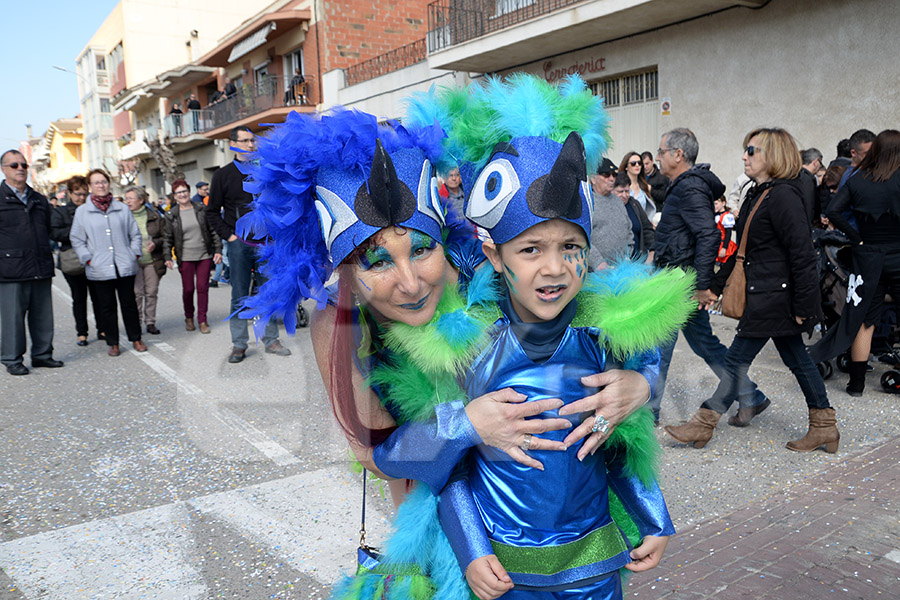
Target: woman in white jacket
x=108 y=243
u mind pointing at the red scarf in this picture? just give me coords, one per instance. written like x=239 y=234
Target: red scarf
x=102 y=202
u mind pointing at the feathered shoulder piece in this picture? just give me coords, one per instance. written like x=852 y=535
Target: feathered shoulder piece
x=285 y=180
x=635 y=306
x=480 y=116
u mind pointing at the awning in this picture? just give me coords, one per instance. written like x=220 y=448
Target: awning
x=250 y=43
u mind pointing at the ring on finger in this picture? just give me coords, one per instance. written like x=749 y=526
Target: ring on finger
x=601 y=425
x=526 y=442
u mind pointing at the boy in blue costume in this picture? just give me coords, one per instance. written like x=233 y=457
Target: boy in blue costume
x=518 y=531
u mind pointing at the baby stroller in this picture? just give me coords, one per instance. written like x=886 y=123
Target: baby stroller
x=834 y=266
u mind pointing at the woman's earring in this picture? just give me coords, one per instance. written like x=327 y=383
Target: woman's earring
x=355 y=299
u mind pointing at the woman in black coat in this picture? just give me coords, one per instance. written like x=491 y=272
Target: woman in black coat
x=782 y=295
x=873 y=194
x=60 y=225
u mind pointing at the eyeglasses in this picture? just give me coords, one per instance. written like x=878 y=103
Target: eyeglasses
x=664 y=150
x=182 y=192
x=79 y=194
x=99 y=182
x=16 y=165
x=751 y=150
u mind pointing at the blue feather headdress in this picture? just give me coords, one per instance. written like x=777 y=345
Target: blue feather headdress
x=322 y=187
x=525 y=148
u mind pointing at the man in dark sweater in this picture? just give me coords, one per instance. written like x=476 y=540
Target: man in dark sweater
x=227 y=203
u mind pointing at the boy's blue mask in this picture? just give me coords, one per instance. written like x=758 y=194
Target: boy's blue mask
x=400 y=189
x=529 y=180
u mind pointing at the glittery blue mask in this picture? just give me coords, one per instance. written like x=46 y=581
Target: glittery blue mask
x=529 y=180
x=400 y=189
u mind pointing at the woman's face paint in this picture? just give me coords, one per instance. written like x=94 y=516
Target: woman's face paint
x=402 y=277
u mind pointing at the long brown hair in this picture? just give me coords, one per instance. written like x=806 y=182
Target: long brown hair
x=883 y=158
x=343 y=349
x=642 y=177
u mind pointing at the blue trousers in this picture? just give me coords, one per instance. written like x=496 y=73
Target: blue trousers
x=698 y=333
x=243 y=259
x=609 y=588
x=736 y=384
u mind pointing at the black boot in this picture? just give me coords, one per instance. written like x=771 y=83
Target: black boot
x=857 y=382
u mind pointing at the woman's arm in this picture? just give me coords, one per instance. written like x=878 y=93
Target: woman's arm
x=78 y=238
x=835 y=214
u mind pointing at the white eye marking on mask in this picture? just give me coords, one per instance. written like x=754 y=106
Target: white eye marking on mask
x=493 y=190
x=335 y=217
x=426 y=198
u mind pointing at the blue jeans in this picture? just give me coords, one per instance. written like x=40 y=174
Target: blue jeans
x=793 y=353
x=698 y=333
x=243 y=258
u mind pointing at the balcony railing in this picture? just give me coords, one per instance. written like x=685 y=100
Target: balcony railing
x=191 y=122
x=452 y=22
x=396 y=59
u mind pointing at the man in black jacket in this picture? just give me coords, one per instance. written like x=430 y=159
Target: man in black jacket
x=227 y=203
x=687 y=237
x=659 y=183
x=26 y=268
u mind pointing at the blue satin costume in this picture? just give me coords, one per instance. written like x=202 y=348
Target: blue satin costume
x=553 y=525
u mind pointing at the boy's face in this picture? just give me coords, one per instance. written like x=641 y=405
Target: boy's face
x=544 y=267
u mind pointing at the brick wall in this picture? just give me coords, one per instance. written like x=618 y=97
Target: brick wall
x=357 y=30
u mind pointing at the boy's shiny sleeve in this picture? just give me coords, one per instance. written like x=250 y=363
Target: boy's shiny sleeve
x=461 y=520
x=647 y=364
x=644 y=503
x=428 y=451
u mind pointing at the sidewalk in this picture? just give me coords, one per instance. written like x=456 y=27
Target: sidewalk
x=834 y=535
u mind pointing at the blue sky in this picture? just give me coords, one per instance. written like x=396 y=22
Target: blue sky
x=38 y=35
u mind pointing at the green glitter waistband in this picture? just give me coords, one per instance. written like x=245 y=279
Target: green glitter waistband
x=599 y=545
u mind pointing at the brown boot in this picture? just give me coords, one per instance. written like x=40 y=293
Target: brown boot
x=698 y=430
x=189 y=324
x=822 y=431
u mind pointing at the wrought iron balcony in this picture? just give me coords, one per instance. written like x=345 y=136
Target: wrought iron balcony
x=452 y=22
x=396 y=59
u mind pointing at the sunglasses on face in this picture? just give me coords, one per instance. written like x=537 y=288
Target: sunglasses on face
x=16 y=165
x=751 y=150
x=634 y=163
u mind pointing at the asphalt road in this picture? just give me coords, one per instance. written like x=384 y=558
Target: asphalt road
x=173 y=474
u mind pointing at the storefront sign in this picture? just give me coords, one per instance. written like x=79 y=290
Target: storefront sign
x=592 y=65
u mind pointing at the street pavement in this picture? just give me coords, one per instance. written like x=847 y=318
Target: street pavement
x=173 y=474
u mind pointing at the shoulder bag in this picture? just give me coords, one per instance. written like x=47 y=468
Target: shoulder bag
x=69 y=263
x=734 y=296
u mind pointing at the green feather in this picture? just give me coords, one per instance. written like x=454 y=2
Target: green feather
x=637 y=315
x=636 y=438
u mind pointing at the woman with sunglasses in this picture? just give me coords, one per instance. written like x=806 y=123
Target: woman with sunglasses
x=79 y=287
x=639 y=189
x=196 y=247
x=108 y=243
x=873 y=194
x=782 y=294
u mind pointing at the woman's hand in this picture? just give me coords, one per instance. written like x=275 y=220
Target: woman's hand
x=217 y=258
x=623 y=393
x=170 y=264
x=501 y=418
x=151 y=246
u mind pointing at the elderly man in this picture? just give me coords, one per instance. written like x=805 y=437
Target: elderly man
x=610 y=227
x=687 y=237
x=26 y=267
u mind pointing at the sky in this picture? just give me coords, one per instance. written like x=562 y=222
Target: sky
x=39 y=34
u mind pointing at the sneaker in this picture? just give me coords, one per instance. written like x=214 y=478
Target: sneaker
x=237 y=355
x=276 y=348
